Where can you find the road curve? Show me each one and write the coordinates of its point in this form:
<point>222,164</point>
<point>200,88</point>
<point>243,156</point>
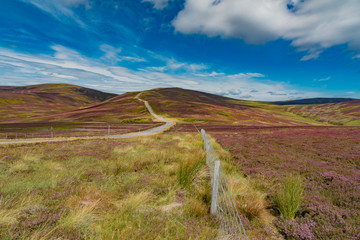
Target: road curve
<point>148,132</point>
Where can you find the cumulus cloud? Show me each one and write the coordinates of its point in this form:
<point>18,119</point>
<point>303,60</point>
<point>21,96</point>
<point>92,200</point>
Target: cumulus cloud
<point>311,25</point>
<point>158,4</point>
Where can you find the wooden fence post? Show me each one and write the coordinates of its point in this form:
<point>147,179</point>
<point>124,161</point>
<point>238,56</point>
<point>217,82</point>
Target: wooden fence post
<point>215,189</point>
<point>203,136</point>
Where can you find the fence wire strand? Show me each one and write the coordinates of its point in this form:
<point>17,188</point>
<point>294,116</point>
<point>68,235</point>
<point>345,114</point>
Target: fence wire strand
<point>227,214</point>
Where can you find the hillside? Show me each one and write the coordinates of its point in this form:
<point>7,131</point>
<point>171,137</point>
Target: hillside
<point>68,103</point>
<point>120,109</point>
<point>343,113</point>
<point>23,103</point>
<point>193,106</point>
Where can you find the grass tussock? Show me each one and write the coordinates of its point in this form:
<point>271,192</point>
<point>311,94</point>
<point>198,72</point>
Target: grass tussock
<point>290,195</point>
<point>188,173</point>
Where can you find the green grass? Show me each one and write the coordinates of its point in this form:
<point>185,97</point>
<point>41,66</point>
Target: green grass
<point>290,195</point>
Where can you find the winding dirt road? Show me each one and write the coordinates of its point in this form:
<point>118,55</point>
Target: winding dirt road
<point>168,124</point>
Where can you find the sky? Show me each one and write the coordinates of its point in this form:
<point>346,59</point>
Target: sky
<point>265,50</point>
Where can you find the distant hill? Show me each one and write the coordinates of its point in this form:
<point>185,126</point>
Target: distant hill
<point>341,113</point>
<point>24,103</point>
<point>69,103</point>
<point>313,101</point>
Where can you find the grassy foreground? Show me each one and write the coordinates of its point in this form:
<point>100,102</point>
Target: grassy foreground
<point>150,188</point>
<point>105,189</point>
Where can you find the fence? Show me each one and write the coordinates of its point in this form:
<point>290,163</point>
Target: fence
<point>222,202</point>
<point>85,130</point>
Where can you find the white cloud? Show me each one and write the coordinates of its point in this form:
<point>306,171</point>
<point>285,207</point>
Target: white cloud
<point>75,2</point>
<point>111,53</point>
<point>322,79</point>
<point>212,74</point>
<point>157,69</point>
<point>311,25</point>
<point>63,76</point>
<point>247,75</point>
<point>158,4</point>
<point>174,65</point>
<point>61,8</point>
<point>251,89</point>
<point>132,59</point>
<point>69,66</point>
<point>66,59</point>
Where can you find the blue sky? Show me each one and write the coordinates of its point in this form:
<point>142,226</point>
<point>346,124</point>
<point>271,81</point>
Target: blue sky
<point>246,49</point>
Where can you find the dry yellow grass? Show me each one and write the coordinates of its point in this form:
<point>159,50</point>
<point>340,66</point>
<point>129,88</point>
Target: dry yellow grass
<point>104,189</point>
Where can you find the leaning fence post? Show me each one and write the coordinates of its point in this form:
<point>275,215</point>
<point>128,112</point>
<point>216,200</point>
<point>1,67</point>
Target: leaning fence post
<point>215,189</point>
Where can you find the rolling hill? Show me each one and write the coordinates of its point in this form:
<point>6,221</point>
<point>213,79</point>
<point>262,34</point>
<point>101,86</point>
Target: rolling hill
<point>120,109</point>
<point>69,103</point>
<point>193,106</point>
<point>24,103</point>
<point>342,113</point>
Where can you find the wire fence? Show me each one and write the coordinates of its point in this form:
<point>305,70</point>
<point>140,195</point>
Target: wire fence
<point>86,130</point>
<point>222,203</point>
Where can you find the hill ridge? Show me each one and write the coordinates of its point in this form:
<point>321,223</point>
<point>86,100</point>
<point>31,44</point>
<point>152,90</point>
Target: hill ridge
<point>65,102</point>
